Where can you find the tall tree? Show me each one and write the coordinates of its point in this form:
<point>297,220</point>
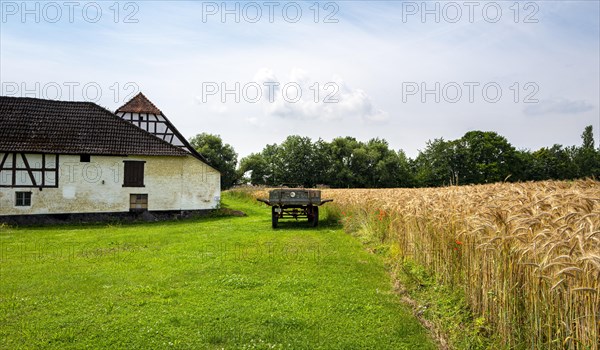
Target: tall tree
<point>587,157</point>
<point>221,156</point>
<point>555,162</point>
<point>588,138</point>
<point>433,166</point>
<point>296,155</point>
<point>489,157</point>
<point>257,166</point>
<point>275,170</point>
<point>384,168</point>
<point>341,154</point>
<point>321,163</point>
<point>523,169</point>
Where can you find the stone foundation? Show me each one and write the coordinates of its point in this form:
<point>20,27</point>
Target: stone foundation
<point>87,218</point>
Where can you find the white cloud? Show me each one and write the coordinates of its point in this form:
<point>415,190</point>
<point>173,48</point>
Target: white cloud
<point>303,98</point>
<point>558,106</point>
<point>266,78</point>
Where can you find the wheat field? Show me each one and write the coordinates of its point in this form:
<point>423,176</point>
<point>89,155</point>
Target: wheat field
<point>526,254</point>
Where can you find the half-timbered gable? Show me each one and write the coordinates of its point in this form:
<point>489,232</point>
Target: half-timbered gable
<point>61,157</point>
<point>141,112</point>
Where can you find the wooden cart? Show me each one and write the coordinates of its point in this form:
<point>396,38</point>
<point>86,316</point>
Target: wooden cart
<point>295,203</point>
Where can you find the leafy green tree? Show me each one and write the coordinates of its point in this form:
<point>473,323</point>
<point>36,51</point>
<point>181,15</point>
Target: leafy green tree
<point>275,169</point>
<point>555,162</point>
<point>588,138</point>
<point>384,166</point>
<point>477,157</point>
<point>433,166</point>
<point>258,167</point>
<point>219,155</point>
<point>297,161</point>
<point>296,155</point>
<point>341,155</point>
<point>587,158</point>
<point>488,157</point>
<point>360,166</point>
<point>405,176</point>
<point>321,163</point>
<point>523,168</point>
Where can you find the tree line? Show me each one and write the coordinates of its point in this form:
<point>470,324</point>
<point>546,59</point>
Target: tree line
<point>478,157</point>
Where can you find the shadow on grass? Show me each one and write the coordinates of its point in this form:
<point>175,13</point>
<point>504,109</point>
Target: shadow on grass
<point>215,216</point>
<point>303,225</point>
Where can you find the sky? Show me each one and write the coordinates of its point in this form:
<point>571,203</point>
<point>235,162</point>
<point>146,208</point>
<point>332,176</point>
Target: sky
<point>256,72</point>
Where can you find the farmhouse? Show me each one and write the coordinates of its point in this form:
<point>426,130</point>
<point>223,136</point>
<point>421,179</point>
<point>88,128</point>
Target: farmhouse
<point>59,157</point>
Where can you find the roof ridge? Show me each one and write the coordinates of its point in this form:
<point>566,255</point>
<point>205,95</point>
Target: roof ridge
<point>44,99</point>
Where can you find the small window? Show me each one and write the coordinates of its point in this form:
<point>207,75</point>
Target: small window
<point>138,202</point>
<point>23,199</point>
<point>133,174</point>
<point>84,158</point>
<point>141,118</point>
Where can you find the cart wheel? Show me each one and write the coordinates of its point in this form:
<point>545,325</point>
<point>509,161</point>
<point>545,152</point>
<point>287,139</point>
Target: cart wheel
<point>274,217</point>
<point>315,217</point>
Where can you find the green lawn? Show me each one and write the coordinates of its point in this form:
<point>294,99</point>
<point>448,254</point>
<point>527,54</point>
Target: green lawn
<point>211,283</point>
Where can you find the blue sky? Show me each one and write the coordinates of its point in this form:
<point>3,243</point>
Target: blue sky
<point>372,55</point>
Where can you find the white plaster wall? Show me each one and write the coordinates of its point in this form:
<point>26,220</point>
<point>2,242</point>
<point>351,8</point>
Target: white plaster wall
<point>172,183</point>
<point>181,183</point>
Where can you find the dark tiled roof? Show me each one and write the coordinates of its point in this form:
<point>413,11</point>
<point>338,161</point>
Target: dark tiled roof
<point>46,126</point>
<point>139,104</point>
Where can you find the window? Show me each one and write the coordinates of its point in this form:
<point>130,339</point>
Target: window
<point>23,199</point>
<point>138,202</point>
<point>134,174</point>
<point>84,158</point>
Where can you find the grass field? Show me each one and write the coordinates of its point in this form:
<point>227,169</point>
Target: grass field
<point>212,283</point>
